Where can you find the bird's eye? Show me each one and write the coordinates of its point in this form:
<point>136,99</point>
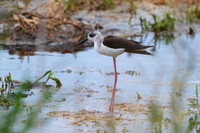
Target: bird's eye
<point>91,35</point>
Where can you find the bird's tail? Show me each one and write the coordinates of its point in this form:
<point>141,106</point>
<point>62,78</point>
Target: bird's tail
<point>141,51</point>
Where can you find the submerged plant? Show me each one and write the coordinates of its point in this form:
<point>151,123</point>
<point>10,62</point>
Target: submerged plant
<point>167,23</point>
<point>58,83</point>
<point>194,120</point>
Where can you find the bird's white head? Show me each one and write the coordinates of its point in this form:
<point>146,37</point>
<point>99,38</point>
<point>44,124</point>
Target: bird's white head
<point>95,36</point>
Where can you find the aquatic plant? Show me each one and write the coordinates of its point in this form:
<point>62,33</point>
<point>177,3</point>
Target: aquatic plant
<point>132,10</point>
<point>109,3</point>
<point>6,84</point>
<point>69,4</point>
<point>5,32</point>
<point>193,13</point>
<point>178,120</point>
<point>6,94</point>
<point>186,11</point>
<point>5,91</point>
<point>16,5</point>
<point>194,120</point>
<point>58,83</point>
<point>132,73</point>
<point>194,123</point>
<point>195,102</point>
<point>11,118</point>
<point>167,23</point>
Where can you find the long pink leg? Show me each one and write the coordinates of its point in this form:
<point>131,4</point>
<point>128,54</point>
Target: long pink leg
<point>111,109</point>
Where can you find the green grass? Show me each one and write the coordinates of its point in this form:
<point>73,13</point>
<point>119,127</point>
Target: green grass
<point>167,23</point>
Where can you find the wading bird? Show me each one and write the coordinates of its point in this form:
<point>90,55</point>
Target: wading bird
<point>114,46</point>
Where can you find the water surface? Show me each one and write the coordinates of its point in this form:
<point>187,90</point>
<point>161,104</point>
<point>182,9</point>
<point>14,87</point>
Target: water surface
<point>87,79</point>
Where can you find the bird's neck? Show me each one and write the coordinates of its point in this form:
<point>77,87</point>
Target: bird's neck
<point>99,42</point>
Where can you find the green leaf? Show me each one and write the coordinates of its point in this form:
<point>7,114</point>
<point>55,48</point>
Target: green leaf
<point>50,74</point>
<point>58,83</point>
<point>42,76</point>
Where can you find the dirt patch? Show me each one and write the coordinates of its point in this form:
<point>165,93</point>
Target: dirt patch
<point>123,113</point>
<point>133,108</point>
<point>81,116</point>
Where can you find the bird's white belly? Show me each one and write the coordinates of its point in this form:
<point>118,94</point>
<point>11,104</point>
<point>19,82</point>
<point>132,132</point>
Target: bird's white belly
<point>109,51</point>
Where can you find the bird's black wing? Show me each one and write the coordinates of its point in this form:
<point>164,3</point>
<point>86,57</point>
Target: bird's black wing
<point>129,45</point>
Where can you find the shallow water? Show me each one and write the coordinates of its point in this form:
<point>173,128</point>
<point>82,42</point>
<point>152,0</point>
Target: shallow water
<point>89,84</point>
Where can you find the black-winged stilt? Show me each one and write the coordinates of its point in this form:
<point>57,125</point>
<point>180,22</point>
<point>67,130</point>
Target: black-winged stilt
<point>114,46</point>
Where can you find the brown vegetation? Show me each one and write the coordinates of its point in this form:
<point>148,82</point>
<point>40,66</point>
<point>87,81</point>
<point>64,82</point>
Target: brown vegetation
<point>31,26</point>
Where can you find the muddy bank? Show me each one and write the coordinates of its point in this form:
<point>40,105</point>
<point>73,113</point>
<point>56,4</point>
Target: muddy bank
<point>54,29</point>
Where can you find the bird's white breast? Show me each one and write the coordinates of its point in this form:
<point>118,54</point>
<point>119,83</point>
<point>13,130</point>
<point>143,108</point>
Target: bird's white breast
<point>102,49</point>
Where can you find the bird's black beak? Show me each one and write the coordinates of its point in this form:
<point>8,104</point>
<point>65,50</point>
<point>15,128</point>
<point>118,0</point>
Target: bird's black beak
<point>80,42</point>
